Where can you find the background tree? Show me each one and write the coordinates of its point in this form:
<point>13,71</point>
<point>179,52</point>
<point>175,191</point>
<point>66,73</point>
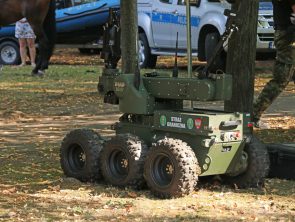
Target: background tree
<point>241,57</point>
<point>128,10</point>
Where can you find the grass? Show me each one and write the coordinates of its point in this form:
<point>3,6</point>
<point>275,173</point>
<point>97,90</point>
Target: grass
<point>35,115</point>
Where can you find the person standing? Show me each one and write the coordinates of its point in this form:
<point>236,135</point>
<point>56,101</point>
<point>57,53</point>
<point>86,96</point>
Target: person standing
<point>283,70</point>
<point>26,38</point>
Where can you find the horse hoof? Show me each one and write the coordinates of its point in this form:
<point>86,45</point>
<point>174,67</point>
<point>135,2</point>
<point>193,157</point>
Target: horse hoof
<point>34,72</point>
<point>39,73</point>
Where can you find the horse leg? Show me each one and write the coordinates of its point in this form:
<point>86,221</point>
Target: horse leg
<point>43,49</point>
<point>36,24</point>
<point>43,63</point>
<point>44,27</point>
<point>43,42</point>
<point>49,27</point>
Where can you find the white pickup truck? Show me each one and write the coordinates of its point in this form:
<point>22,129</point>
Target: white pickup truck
<point>160,20</point>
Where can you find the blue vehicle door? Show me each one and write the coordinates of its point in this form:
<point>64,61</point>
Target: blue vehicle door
<point>161,23</point>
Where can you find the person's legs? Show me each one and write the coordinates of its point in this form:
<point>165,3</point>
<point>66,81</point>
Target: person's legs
<point>32,50</point>
<point>282,73</point>
<point>23,50</point>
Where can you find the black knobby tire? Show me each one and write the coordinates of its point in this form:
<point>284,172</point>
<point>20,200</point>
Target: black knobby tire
<point>79,155</point>
<point>122,160</point>
<point>211,41</point>
<point>171,169</point>
<point>258,166</point>
<point>146,59</point>
<point>9,53</point>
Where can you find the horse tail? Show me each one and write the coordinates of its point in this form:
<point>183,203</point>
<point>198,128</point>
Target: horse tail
<point>49,27</point>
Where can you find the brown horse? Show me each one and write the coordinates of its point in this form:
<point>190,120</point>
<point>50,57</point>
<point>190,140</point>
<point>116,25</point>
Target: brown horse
<point>41,16</point>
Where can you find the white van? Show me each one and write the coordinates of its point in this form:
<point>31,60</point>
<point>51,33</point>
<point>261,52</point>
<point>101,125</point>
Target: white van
<point>160,20</point>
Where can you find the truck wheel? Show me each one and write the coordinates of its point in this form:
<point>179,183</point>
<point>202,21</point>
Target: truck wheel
<point>122,161</point>
<point>9,53</point>
<point>146,59</point>
<point>258,164</point>
<point>79,154</point>
<point>171,169</point>
<point>211,41</point>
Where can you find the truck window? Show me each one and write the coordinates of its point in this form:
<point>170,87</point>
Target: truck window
<point>167,1</point>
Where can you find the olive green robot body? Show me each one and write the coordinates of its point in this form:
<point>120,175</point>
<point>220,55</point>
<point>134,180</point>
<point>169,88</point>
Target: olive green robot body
<point>155,111</point>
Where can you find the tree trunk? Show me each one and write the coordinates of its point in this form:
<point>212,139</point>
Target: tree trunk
<point>128,11</point>
<point>241,57</point>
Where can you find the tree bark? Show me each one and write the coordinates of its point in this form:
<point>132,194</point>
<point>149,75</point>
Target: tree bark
<point>128,11</point>
<point>241,57</point>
